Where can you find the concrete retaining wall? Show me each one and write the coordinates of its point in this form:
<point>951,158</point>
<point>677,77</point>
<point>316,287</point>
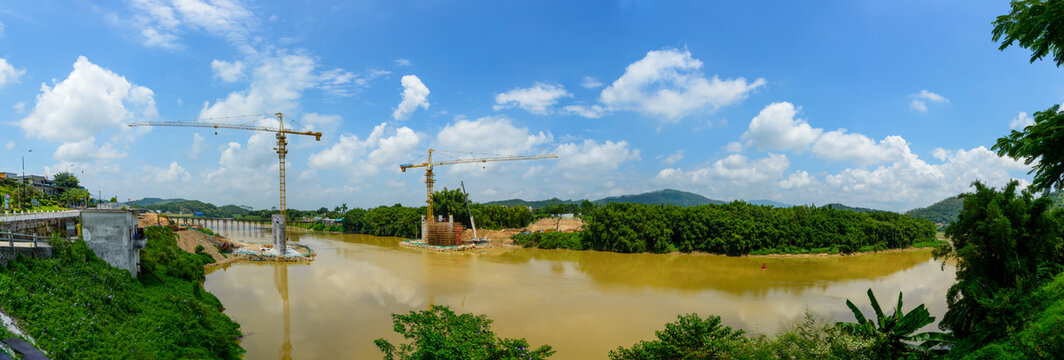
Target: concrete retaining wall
<point>9,254</point>
<point>112,237</point>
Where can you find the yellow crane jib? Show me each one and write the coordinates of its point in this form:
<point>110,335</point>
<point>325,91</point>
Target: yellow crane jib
<point>280,132</point>
<point>430,176</point>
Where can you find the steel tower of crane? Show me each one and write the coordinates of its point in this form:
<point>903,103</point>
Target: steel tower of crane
<point>430,177</point>
<point>281,132</point>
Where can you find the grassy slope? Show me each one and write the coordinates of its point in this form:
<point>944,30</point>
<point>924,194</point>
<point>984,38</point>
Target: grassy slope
<point>13,189</point>
<point>77,306</point>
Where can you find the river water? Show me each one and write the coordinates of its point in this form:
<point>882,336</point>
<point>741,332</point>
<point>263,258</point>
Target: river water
<point>582,303</point>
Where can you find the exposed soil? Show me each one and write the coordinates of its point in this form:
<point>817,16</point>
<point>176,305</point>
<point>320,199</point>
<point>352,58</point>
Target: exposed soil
<point>542,225</point>
<point>150,219</point>
<point>189,239</point>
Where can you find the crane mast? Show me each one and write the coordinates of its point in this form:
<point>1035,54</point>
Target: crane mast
<point>430,177</point>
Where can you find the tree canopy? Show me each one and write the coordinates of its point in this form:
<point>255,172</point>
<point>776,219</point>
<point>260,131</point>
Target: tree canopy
<point>1036,25</point>
<point>66,179</point>
<point>1042,142</point>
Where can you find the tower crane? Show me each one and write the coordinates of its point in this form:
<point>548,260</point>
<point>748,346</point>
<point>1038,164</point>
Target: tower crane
<point>281,137</point>
<point>430,178</point>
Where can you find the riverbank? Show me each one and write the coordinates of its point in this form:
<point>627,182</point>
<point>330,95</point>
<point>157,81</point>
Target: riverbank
<point>77,306</point>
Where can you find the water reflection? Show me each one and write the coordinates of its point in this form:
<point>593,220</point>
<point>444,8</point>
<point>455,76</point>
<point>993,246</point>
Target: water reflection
<point>581,303</point>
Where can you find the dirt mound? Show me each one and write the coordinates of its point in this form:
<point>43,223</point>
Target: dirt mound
<point>559,225</point>
<point>496,236</point>
<point>150,219</point>
<point>189,239</point>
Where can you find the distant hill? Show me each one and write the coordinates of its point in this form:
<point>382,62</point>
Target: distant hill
<point>851,208</point>
<point>772,203</point>
<point>192,206</point>
<point>534,204</point>
<point>667,197</point>
<point>944,211</point>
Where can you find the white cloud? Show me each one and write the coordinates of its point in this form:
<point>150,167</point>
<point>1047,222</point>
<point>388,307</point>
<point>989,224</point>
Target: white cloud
<point>174,173</point>
<point>162,22</point>
<point>1021,121</point>
<point>593,111</point>
<point>415,94</point>
<point>384,147</point>
<point>797,179</point>
<point>496,135</point>
<point>777,128</point>
<point>590,159</point>
<point>277,83</point>
<point>536,99</point>
<point>402,62</point>
<point>227,71</point>
<point>91,99</point>
<point>734,171</point>
<point>10,145</point>
<point>921,98</point>
<point>85,151</point>
<point>8,73</point>
<point>838,145</point>
<point>590,83</point>
<point>672,159</point>
<point>668,84</point>
<point>734,147</point>
<point>196,149</point>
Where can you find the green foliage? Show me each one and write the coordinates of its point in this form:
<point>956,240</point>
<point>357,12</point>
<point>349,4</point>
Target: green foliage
<point>65,179</point>
<point>690,337</point>
<point>1036,25</point>
<point>163,257</point>
<point>892,335</point>
<point>739,228</point>
<point>1006,244</point>
<point>392,221</point>
<point>551,240</point>
<point>1042,142</point>
<point>76,306</point>
<point>811,337</point>
<point>439,333</point>
<point>74,196</point>
<point>666,197</point>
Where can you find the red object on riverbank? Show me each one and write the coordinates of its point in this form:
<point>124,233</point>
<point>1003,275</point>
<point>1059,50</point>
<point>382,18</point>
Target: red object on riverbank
<point>763,266</point>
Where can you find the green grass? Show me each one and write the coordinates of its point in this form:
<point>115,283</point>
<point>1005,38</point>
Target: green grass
<point>77,307</point>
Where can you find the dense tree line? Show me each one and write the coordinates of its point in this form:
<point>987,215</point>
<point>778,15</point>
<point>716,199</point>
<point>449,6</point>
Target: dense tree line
<point>740,228</point>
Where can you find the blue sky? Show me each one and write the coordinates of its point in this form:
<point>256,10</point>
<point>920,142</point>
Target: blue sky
<point>890,105</point>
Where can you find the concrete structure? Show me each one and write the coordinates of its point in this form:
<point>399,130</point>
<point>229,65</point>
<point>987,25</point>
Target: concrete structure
<point>7,175</point>
<point>42,223</point>
<point>10,250</point>
<point>112,236</point>
<point>279,240</point>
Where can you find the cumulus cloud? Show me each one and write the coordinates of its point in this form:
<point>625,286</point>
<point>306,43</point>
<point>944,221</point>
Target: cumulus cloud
<point>590,158</point>
<point>733,176</point>
<point>196,149</point>
<point>171,174</point>
<point>402,62</point>
<point>86,151</point>
<point>1021,121</point>
<point>385,146</point>
<point>921,99</point>
<point>667,84</point>
<point>277,84</point>
<point>89,101</point>
<point>777,128</point>
<point>839,145</point>
<point>227,71</point>
<point>797,179</point>
<point>536,99</point>
<point>8,73</point>
<point>497,135</point>
<point>415,94</point>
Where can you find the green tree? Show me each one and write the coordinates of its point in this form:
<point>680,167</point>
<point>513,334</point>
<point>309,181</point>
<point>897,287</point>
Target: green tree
<point>74,196</point>
<point>439,333</point>
<point>1005,244</point>
<point>1036,25</point>
<point>114,199</point>
<point>893,334</point>
<point>1043,143</point>
<point>66,180</point>
<point>690,337</point>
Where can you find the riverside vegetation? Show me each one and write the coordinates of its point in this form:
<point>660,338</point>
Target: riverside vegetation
<point>76,306</point>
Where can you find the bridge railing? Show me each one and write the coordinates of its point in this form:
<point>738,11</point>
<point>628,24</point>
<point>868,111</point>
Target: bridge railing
<point>38,215</point>
<point>9,239</point>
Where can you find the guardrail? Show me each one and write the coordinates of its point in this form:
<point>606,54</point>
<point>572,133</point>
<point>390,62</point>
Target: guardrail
<point>38,215</point>
<point>9,239</point>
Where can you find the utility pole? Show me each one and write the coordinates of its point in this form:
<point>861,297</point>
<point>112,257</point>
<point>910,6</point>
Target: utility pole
<point>22,180</point>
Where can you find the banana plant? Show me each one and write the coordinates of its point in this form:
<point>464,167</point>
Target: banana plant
<point>894,334</point>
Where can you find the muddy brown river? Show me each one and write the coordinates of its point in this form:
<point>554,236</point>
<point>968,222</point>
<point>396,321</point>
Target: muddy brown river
<point>582,303</point>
